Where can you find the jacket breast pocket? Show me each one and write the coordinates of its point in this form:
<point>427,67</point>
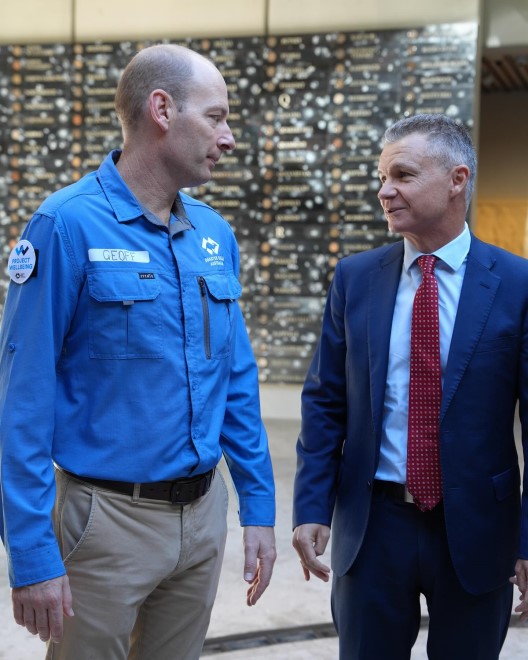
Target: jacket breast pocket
<point>506,343</point>
<point>125,315</point>
<point>218,295</point>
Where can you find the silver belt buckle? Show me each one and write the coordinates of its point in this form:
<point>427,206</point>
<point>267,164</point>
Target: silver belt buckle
<point>407,497</point>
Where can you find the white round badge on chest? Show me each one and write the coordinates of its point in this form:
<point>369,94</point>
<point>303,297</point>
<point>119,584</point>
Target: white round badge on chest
<point>22,261</point>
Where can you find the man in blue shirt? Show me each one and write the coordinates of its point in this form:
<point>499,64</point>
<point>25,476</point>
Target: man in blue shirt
<point>126,374</point>
<point>461,547</point>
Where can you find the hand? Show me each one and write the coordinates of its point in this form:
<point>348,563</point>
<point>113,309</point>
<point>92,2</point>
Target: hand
<point>310,542</point>
<point>40,607</point>
<point>521,580</point>
<point>259,556</point>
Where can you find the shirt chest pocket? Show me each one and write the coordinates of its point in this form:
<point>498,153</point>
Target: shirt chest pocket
<point>125,315</point>
<point>218,293</point>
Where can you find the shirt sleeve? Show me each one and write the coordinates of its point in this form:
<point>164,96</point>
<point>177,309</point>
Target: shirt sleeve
<point>36,318</point>
<point>244,440</point>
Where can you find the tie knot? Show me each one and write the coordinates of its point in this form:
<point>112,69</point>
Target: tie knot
<point>427,263</point>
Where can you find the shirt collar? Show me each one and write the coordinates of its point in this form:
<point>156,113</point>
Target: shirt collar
<point>119,195</point>
<point>453,254</point>
<point>178,217</point>
<point>126,207</point>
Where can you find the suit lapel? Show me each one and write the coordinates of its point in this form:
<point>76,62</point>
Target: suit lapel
<point>476,299</point>
<point>383,287</point>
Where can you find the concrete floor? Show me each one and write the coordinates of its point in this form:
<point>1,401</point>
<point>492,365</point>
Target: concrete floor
<point>289,602</point>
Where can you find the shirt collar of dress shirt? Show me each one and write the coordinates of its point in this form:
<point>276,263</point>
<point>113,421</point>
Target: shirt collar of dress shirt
<point>452,254</point>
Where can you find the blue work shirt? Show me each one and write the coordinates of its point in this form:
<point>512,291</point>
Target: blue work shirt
<point>124,356</point>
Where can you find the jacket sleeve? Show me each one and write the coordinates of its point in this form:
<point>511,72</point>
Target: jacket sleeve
<point>324,417</point>
<point>36,319</point>
<point>523,415</point>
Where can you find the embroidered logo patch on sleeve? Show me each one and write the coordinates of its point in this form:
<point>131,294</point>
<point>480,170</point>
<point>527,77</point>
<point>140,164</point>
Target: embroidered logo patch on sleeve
<point>22,261</point>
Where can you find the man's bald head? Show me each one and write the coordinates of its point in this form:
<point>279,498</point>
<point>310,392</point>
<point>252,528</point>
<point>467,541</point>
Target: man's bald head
<point>165,66</point>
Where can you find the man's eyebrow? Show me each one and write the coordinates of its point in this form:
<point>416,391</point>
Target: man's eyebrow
<point>222,109</point>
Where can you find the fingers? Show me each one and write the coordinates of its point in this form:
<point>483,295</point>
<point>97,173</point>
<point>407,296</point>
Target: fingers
<point>260,554</point>
<point>42,624</point>
<point>310,541</point>
<point>67,598</point>
<point>261,581</point>
<point>316,568</point>
<point>520,579</point>
<point>521,574</point>
<point>39,607</point>
<point>522,608</point>
<point>18,610</point>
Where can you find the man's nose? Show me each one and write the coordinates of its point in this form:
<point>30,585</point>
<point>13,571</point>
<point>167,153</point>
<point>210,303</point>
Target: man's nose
<point>226,141</point>
<point>386,191</point>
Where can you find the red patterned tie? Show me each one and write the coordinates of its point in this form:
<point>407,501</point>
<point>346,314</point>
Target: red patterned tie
<point>424,478</point>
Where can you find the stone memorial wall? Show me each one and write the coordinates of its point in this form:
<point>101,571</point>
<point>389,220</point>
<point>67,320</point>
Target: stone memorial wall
<point>308,113</point>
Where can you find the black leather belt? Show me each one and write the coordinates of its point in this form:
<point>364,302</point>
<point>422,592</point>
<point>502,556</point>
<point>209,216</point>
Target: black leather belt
<point>178,491</point>
<point>393,490</point>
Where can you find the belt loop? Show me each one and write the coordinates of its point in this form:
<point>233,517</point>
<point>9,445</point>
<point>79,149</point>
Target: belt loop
<point>135,494</point>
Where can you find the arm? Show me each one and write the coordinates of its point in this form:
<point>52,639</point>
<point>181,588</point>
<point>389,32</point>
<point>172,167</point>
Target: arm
<point>324,417</point>
<point>245,447</point>
<point>36,318</point>
<point>520,579</point>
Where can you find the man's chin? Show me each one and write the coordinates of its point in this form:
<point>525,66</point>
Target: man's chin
<point>200,181</point>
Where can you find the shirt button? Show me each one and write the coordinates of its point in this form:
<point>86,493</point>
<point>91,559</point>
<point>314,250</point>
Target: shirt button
<point>11,348</point>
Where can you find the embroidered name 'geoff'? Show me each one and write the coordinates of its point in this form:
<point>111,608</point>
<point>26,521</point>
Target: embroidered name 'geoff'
<point>118,254</point>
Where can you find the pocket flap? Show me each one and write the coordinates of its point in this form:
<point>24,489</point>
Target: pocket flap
<point>114,286</point>
<point>224,286</point>
<point>506,483</point>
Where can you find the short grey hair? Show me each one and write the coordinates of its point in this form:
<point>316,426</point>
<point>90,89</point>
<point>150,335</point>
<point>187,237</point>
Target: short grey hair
<point>449,140</point>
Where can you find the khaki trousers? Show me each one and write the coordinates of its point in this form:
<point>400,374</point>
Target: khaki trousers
<point>143,573</point>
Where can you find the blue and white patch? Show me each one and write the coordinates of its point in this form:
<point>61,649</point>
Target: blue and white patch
<point>209,245</point>
<point>22,261</point>
<point>119,255</point>
<point>212,248</point>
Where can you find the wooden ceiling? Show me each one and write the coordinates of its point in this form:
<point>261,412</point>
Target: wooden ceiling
<point>504,71</point>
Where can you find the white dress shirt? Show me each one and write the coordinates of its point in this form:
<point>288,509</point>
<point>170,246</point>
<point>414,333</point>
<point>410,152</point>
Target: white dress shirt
<point>449,271</point>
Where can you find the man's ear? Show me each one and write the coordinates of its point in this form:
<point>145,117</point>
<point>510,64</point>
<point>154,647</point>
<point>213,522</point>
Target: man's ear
<point>161,108</point>
<point>459,179</point>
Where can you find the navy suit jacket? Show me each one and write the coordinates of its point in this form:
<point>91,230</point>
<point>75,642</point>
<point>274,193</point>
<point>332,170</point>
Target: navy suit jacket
<point>486,375</point>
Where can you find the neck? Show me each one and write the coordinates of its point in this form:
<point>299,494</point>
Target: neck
<point>428,244</point>
<point>140,176</point>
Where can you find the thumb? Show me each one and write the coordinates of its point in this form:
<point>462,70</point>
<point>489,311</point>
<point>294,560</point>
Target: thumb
<point>320,544</point>
<point>250,565</point>
<point>250,569</point>
<point>67,600</point>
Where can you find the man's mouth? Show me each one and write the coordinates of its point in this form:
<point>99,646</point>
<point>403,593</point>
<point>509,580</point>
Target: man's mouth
<point>391,211</point>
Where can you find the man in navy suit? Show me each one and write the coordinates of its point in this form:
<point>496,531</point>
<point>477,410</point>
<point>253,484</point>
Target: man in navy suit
<point>464,554</point>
